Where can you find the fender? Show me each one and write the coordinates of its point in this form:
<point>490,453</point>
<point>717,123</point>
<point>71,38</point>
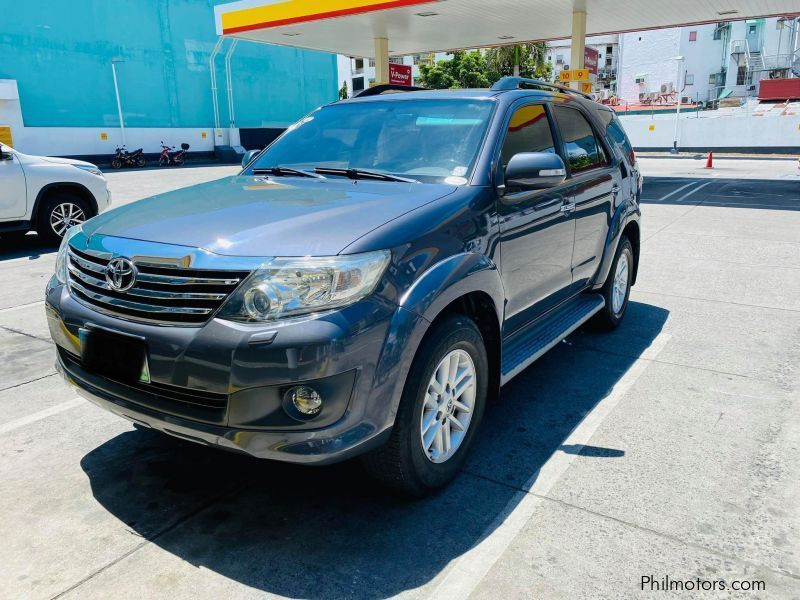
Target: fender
<point>430,294</point>
<point>626,212</point>
<point>74,186</point>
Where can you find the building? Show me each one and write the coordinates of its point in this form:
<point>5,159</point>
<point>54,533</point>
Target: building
<point>359,73</point>
<point>607,49</point>
<point>719,59</point>
<point>57,91</point>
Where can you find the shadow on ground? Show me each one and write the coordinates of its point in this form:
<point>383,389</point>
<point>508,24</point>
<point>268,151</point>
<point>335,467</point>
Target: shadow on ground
<point>330,531</point>
<point>769,194</point>
<point>18,245</point>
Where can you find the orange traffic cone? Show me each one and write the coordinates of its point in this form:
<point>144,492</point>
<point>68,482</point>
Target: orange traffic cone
<point>710,161</point>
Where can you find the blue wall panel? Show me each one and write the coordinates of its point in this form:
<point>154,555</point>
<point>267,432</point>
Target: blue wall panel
<point>60,53</point>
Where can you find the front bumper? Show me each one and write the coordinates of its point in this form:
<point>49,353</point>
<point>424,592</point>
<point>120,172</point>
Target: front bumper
<point>217,386</point>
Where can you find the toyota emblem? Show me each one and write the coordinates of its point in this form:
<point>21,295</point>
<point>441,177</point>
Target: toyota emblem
<point>120,274</point>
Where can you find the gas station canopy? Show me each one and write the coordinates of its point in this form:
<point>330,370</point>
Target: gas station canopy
<point>350,27</point>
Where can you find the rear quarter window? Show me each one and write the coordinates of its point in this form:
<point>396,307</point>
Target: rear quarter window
<point>616,132</point>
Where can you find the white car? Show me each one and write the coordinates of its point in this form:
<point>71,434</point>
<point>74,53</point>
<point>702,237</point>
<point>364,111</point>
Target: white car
<point>48,195</point>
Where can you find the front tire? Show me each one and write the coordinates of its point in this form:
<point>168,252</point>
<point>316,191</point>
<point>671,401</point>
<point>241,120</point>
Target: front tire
<point>116,163</point>
<point>616,290</point>
<point>58,213</point>
<point>440,410</point>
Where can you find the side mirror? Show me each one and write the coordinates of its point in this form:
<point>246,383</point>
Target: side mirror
<point>5,155</point>
<point>534,171</point>
<point>248,156</point>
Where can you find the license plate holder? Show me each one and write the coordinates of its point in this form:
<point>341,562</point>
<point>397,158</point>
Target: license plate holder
<point>118,356</point>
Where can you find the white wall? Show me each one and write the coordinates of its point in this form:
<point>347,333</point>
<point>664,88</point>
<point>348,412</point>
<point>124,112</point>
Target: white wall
<point>722,132</point>
<point>647,52</point>
<point>66,141</point>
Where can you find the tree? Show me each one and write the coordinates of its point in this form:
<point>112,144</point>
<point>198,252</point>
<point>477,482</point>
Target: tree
<point>519,60</point>
<point>478,69</point>
<point>464,70</point>
<point>343,94</point>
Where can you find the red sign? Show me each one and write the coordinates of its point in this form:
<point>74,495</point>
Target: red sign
<point>590,59</point>
<point>399,74</point>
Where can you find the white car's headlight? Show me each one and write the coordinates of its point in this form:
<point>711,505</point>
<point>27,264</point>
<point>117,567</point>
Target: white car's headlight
<point>286,287</point>
<point>61,257</point>
<point>94,170</point>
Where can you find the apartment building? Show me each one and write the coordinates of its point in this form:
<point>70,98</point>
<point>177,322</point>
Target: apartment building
<point>706,62</point>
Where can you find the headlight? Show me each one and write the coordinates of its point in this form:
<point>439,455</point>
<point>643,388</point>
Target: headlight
<point>287,287</point>
<point>90,169</point>
<point>61,258</point>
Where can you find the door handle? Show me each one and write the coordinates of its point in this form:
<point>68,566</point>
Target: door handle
<point>568,207</point>
<point>616,190</point>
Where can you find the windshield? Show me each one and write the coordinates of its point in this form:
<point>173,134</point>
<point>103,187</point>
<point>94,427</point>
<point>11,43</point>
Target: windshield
<point>431,141</point>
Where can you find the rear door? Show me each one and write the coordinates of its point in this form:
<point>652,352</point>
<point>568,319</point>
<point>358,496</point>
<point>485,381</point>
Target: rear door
<point>536,233</point>
<point>13,191</point>
<point>592,187</point>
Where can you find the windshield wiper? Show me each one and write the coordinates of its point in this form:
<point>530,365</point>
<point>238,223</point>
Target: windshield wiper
<point>362,174</point>
<point>279,171</point>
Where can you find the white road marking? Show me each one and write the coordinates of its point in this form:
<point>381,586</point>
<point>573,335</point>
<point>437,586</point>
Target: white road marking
<point>690,192</point>
<point>470,569</point>
<point>42,414</point>
<point>673,192</point>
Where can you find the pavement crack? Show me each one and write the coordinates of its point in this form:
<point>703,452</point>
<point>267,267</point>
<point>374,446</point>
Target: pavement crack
<point>641,291</point>
<point>642,528</point>
<point>16,385</point>
<point>177,523</point>
<point>30,335</point>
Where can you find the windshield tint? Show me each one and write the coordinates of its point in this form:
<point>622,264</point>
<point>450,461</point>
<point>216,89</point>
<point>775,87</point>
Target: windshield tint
<point>427,140</point>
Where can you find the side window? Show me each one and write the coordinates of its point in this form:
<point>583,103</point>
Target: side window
<point>583,151</point>
<point>528,131</point>
<point>617,133</point>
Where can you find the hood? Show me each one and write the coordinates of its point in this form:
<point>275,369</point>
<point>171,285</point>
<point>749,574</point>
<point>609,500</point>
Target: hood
<point>259,216</point>
<point>55,160</point>
<point>67,161</point>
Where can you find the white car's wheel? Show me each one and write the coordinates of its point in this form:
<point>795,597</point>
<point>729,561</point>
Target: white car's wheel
<point>58,214</point>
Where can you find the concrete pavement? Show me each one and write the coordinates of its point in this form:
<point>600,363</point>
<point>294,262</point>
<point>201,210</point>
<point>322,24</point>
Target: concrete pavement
<point>667,448</point>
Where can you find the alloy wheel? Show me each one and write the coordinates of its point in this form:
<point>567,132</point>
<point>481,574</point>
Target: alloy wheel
<point>620,287</point>
<point>64,216</point>
<point>448,406</point>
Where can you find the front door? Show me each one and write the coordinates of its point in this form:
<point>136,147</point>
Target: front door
<point>592,185</point>
<point>13,199</point>
<point>536,232</point>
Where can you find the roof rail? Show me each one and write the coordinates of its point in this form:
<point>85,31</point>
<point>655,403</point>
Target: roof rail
<point>523,83</point>
<point>376,90</point>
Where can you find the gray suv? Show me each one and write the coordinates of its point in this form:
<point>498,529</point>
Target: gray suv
<point>365,285</point>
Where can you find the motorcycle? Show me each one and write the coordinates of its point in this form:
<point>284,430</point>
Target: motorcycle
<point>166,159</point>
<point>123,158</point>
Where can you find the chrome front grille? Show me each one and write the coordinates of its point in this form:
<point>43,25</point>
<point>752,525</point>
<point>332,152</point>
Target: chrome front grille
<point>163,293</point>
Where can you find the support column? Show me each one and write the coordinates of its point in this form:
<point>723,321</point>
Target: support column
<point>381,61</point>
<point>578,42</point>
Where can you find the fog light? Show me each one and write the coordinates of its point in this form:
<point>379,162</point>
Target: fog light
<point>306,400</point>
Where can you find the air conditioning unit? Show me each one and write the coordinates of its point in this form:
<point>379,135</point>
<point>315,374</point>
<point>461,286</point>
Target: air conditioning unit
<point>641,79</point>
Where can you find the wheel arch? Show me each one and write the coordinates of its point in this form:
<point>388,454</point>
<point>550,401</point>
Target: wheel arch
<point>52,189</point>
<point>625,221</point>
<point>467,284</point>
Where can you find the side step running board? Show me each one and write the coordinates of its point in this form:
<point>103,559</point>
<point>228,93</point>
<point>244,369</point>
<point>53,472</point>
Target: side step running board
<point>529,344</point>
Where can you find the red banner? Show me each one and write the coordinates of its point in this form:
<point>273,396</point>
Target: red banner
<point>590,56</point>
<point>399,74</point>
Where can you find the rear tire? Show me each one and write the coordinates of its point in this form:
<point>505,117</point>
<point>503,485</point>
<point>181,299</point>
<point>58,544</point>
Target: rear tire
<point>616,290</point>
<point>140,162</point>
<point>426,449</point>
<point>58,213</point>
